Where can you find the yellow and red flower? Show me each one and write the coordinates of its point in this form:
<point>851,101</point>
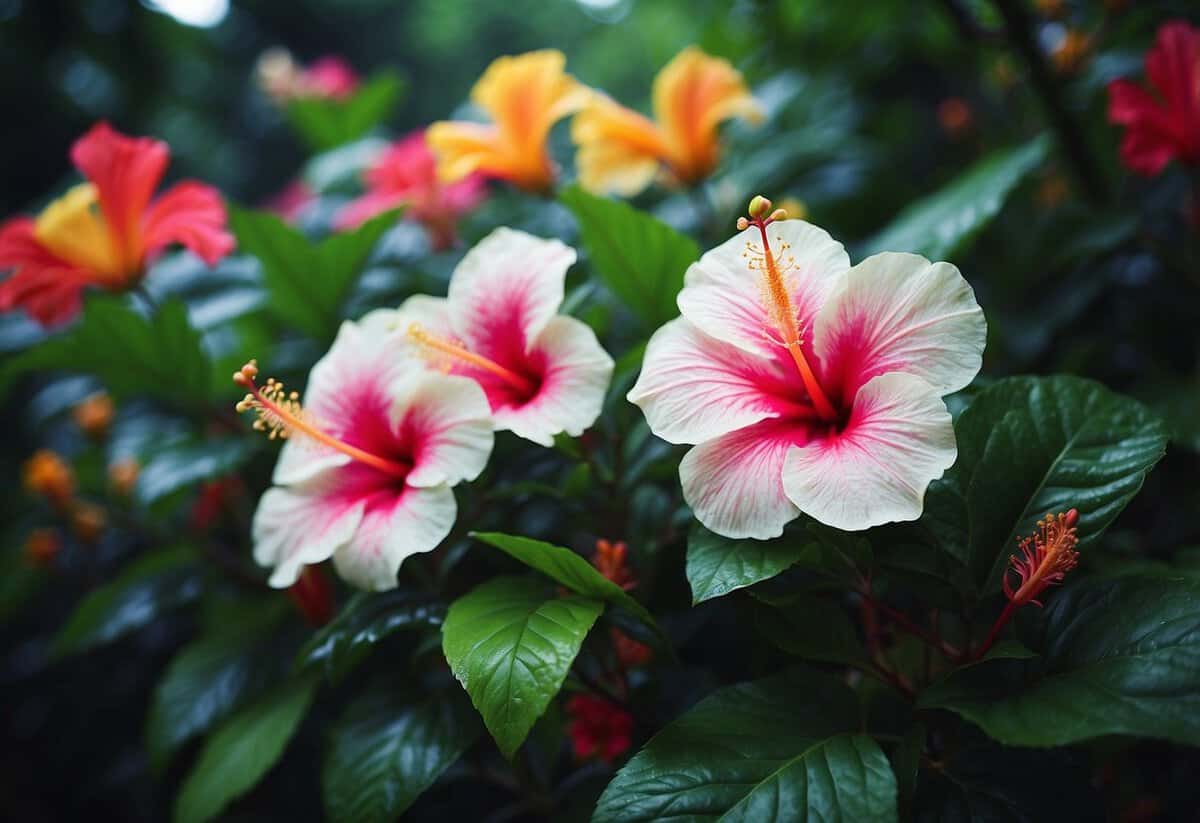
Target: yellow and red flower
<point>524,96</point>
<point>103,232</point>
<point>622,151</point>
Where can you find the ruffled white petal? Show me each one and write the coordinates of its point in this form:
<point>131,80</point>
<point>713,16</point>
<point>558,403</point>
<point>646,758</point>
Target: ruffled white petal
<point>898,440</point>
<point>899,312</point>
<point>294,528</point>
<point>391,530</point>
<point>726,298</point>
<point>734,483</point>
<point>576,377</point>
<point>450,425</point>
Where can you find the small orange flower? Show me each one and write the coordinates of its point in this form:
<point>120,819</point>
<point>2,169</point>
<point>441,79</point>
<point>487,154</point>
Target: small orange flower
<point>123,475</point>
<point>48,475</point>
<point>94,414</point>
<point>42,546</point>
<point>525,96</point>
<point>622,151</point>
<point>1072,51</point>
<point>88,521</point>
<point>610,561</point>
<point>630,653</point>
<point>1046,557</point>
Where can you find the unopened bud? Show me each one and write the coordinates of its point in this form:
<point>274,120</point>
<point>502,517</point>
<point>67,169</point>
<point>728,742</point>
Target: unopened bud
<point>42,546</point>
<point>123,475</point>
<point>94,415</point>
<point>759,207</point>
<point>48,475</point>
<point>88,522</point>
<point>743,224</point>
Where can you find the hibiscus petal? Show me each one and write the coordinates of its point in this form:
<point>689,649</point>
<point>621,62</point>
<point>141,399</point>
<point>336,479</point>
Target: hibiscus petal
<point>1149,144</point>
<point>734,483</point>
<point>1171,67</point>
<point>619,149</point>
<point>725,297</point>
<point>193,215</point>
<point>505,291</point>
<point>899,438</point>
<point>449,423</point>
<point>899,312</point>
<point>576,373</point>
<point>694,387</point>
<point>394,527</point>
<point>50,290</point>
<point>298,527</point>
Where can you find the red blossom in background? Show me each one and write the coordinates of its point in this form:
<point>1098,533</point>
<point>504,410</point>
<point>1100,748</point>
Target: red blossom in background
<point>1163,124</point>
<point>406,175</point>
<point>329,76</point>
<point>598,728</point>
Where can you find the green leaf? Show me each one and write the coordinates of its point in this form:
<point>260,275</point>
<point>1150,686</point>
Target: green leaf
<point>717,565</point>
<point>389,747</point>
<point>1029,446</point>
<point>568,568</point>
<point>1119,655</point>
<point>168,469</point>
<point>327,123</point>
<point>242,751</point>
<point>781,749</point>
<point>364,621</point>
<point>306,282</point>
<point>148,587</point>
<point>812,628</point>
<point>511,647</point>
<point>943,224</point>
<point>161,356</point>
<point>19,581</point>
<point>641,259</point>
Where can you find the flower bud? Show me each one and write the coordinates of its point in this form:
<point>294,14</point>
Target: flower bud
<point>48,475</point>
<point>123,475</point>
<point>94,415</point>
<point>88,521</point>
<point>760,207</point>
<point>42,547</point>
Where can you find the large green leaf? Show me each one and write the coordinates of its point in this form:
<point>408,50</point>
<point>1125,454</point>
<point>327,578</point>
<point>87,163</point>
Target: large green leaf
<point>1120,655</point>
<point>168,468</point>
<point>637,256</point>
<point>941,225</point>
<point>568,568</point>
<point>306,282</point>
<point>511,647</point>
<point>812,628</point>
<point>243,750</point>
<point>147,588</point>
<point>717,565</point>
<point>781,749</point>
<point>364,621</point>
<point>160,356</point>
<point>1029,446</point>
<point>327,123</point>
<point>389,747</point>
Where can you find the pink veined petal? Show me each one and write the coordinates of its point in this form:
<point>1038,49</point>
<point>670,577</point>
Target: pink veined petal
<point>694,387</point>
<point>505,291</point>
<point>50,290</point>
<point>575,377</point>
<point>726,298</point>
<point>734,483</point>
<point>899,439</point>
<point>900,313</point>
<point>193,215</point>
<point>296,527</point>
<point>394,527</point>
<point>448,423</point>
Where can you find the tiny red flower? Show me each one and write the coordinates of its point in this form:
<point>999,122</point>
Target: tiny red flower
<point>598,728</point>
<point>1164,124</point>
<point>630,653</point>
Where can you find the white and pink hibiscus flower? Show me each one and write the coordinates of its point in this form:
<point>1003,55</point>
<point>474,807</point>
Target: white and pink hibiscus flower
<point>809,385</point>
<point>544,373</point>
<point>366,473</point>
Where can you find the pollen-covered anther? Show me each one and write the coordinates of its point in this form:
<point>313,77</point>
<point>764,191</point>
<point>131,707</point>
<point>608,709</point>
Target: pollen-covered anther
<point>1045,558</point>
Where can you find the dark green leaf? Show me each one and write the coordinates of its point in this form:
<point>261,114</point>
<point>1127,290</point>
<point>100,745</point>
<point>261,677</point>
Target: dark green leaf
<point>511,647</point>
<point>717,565</point>
<point>641,259</point>
<point>944,223</point>
<point>19,580</point>
<point>389,747</point>
<point>168,469</point>
<point>307,282</point>
<point>812,628</point>
<point>1119,655</point>
<point>327,123</point>
<point>778,749</point>
<point>242,750</point>
<point>147,588</point>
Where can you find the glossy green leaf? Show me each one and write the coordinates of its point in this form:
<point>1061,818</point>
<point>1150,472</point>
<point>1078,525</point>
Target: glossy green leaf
<point>717,565</point>
<point>641,259</point>
<point>242,750</point>
<point>167,469</point>
<point>942,225</point>
<point>145,590</point>
<point>160,356</point>
<point>389,747</point>
<point>327,123</point>
<point>781,749</point>
<point>812,628</point>
<point>510,646</point>
<point>1119,655</point>
<point>363,622</point>
<point>306,282</point>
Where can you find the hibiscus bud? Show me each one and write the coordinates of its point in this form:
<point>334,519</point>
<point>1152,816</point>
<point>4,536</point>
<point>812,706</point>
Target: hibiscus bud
<point>48,475</point>
<point>88,521</point>
<point>94,415</point>
<point>760,207</point>
<point>313,596</point>
<point>123,475</point>
<point>42,547</point>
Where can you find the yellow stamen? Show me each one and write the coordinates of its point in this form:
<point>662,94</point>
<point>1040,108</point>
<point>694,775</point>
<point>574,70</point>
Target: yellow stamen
<point>280,415</point>
<point>456,351</point>
<point>74,229</point>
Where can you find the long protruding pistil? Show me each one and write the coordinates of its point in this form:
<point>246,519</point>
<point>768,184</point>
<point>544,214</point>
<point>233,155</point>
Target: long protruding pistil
<point>458,352</point>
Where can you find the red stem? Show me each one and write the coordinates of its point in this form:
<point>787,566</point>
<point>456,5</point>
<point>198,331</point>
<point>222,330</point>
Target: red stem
<point>1009,610</point>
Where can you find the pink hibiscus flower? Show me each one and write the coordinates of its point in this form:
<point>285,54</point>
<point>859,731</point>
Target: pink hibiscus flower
<point>366,474</point>
<point>1164,126</point>
<point>543,373</point>
<point>807,385</point>
<point>406,175</point>
<point>104,232</point>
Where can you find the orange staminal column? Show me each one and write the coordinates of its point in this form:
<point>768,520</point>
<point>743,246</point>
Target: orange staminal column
<point>456,351</point>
